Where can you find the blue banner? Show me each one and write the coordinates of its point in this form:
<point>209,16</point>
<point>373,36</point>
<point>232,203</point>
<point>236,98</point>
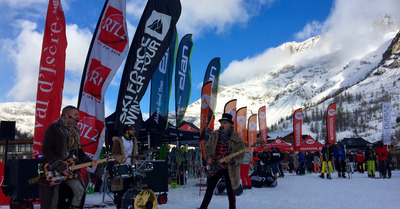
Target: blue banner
<point>183,83</point>
<point>161,85</point>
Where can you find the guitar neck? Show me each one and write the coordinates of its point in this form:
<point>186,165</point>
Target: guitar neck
<point>234,154</point>
<point>83,165</point>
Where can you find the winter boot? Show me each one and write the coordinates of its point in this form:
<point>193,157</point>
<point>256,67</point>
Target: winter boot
<point>344,175</point>
<point>339,175</point>
<point>275,176</point>
<point>322,175</point>
<point>328,176</point>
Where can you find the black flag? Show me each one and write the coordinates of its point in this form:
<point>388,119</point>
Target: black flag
<point>151,41</point>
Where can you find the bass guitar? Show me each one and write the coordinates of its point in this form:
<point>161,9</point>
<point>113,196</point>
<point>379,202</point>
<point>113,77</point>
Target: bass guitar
<point>54,177</point>
<point>219,162</point>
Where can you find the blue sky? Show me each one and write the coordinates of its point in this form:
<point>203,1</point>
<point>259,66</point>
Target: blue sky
<point>234,30</point>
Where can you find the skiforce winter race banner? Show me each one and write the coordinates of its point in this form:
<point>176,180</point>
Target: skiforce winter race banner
<point>230,107</point>
<point>386,123</point>
<point>204,112</point>
<point>212,74</point>
<point>241,118</point>
<point>107,51</point>
<point>331,123</point>
<point>51,73</point>
<point>152,38</point>
<point>183,81</point>
<point>252,130</point>
<point>161,85</point>
<point>297,128</point>
<point>262,123</point>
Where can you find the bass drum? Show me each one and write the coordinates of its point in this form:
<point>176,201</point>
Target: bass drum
<point>146,199</point>
<point>128,199</point>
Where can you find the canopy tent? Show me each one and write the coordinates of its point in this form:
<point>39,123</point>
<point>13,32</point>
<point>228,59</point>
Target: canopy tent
<point>283,146</point>
<point>310,144</point>
<point>188,133</point>
<point>354,143</point>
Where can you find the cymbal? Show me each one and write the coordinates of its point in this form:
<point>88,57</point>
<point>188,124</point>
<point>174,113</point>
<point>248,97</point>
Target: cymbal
<point>150,150</point>
<point>136,156</point>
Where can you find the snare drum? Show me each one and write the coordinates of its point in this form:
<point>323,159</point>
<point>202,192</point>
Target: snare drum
<point>122,171</point>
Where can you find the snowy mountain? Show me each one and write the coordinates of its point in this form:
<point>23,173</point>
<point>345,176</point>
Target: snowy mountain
<point>312,81</point>
<point>311,78</point>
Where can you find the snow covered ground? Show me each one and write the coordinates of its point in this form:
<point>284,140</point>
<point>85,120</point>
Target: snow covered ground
<point>293,191</point>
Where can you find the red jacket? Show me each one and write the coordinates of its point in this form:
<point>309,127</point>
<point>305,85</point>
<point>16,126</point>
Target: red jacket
<point>360,158</point>
<point>381,152</point>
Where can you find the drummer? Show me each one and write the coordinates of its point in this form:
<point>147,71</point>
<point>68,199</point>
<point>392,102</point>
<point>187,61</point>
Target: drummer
<point>123,148</point>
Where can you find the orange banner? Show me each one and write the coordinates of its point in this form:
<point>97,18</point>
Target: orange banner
<point>241,119</point>
<point>252,130</point>
<point>262,123</point>
<point>230,107</point>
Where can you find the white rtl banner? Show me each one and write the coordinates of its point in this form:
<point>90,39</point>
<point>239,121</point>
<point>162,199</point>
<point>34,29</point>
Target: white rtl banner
<point>386,122</point>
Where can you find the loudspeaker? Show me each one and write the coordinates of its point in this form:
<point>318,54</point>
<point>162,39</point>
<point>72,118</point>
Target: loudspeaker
<point>20,171</point>
<point>157,179</point>
<point>7,130</point>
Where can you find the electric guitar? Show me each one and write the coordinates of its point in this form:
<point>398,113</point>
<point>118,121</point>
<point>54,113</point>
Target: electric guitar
<point>219,162</point>
<point>54,177</point>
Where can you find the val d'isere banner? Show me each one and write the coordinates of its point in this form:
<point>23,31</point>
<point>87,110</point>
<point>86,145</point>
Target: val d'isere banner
<point>152,38</point>
<point>51,73</point>
<point>241,119</point>
<point>230,107</point>
<point>262,123</point>
<point>204,113</point>
<point>212,74</point>
<point>108,49</point>
<point>386,122</point>
<point>183,81</point>
<point>297,128</point>
<point>331,123</point>
<point>161,85</point>
<point>252,130</point>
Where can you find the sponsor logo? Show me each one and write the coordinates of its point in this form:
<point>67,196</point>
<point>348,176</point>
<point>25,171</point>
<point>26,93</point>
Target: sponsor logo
<point>184,67</point>
<point>252,126</point>
<point>278,141</point>
<point>205,101</point>
<point>233,113</point>
<point>241,120</point>
<point>331,112</point>
<point>158,25</point>
<point>310,141</point>
<point>298,115</point>
<point>112,31</point>
<point>90,127</point>
<point>261,115</point>
<point>96,77</point>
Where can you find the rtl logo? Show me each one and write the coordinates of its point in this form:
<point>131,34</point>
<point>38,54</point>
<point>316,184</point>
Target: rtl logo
<point>113,32</point>
<point>95,79</point>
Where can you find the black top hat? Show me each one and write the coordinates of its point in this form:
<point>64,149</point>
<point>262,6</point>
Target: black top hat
<point>226,117</point>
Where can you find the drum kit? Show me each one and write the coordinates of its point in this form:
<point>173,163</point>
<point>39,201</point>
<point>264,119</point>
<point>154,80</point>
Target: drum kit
<point>136,197</point>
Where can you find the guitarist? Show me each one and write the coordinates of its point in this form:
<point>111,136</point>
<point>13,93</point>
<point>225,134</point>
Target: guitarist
<point>62,141</point>
<point>221,143</point>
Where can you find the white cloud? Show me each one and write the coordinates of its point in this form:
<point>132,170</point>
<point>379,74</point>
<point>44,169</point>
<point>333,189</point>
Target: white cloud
<point>25,53</point>
<point>199,16</point>
<point>310,30</point>
<point>78,45</point>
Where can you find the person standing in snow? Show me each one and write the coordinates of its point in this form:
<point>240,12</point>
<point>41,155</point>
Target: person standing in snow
<point>340,161</point>
<point>381,152</point>
<point>360,160</point>
<point>221,144</point>
<point>276,157</point>
<point>350,157</point>
<point>370,158</point>
<point>245,168</point>
<point>316,162</point>
<point>326,161</point>
<point>302,161</point>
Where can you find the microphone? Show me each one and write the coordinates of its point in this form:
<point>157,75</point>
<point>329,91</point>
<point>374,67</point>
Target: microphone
<point>73,119</point>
